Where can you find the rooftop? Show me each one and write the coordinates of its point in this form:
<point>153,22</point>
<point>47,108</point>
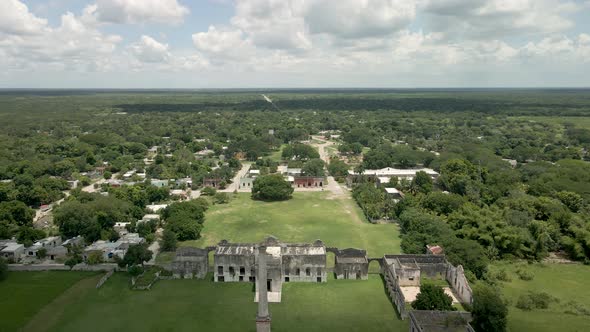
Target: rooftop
<point>10,247</point>
<point>389,171</point>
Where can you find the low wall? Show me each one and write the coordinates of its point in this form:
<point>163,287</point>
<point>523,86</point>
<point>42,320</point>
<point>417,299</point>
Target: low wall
<point>104,278</point>
<point>62,267</point>
<point>456,278</point>
<point>395,293</point>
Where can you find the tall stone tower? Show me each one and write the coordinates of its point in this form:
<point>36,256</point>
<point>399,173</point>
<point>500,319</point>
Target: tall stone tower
<point>263,315</point>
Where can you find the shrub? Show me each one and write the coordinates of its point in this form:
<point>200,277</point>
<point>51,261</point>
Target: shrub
<point>135,270</point>
<point>535,300</point>
<point>221,198</point>
<point>208,191</point>
<point>524,302</point>
<point>525,274</point>
<point>94,258</point>
<point>575,308</point>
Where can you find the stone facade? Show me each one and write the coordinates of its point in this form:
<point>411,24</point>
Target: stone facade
<point>190,263</point>
<point>351,264</point>
<point>286,262</point>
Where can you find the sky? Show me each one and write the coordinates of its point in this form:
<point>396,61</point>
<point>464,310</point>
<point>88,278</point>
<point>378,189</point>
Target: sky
<point>294,43</point>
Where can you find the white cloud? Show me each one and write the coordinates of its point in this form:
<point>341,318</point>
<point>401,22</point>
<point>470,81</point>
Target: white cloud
<point>491,19</point>
<point>71,45</point>
<point>139,11</point>
<point>359,18</point>
<point>223,43</point>
<point>15,18</point>
<point>147,49</point>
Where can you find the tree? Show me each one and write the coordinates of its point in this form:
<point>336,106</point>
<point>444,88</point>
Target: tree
<point>570,199</point>
<point>423,182</point>
<point>432,297</point>
<point>489,309</point>
<point>17,213</point>
<point>107,175</point>
<point>94,257</point>
<point>168,241</point>
<point>135,270</point>
<point>271,188</point>
<point>338,168</point>
<point>42,253</point>
<point>185,218</point>
<point>137,254</point>
<point>3,269</point>
<point>314,167</point>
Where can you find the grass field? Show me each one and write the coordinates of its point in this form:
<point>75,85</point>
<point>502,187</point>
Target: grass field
<point>24,294</point>
<point>305,218</point>
<point>201,305</point>
<point>567,282</point>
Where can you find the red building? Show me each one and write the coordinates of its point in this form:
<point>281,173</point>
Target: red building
<point>308,181</point>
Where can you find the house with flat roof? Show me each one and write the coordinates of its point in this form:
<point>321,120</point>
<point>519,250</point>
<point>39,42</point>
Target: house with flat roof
<point>11,250</point>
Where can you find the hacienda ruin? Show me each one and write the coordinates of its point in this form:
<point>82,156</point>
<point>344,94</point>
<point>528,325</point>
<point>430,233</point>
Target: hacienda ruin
<point>271,263</point>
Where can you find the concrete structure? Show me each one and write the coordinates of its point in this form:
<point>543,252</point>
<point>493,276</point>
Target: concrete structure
<point>11,251</point>
<point>286,262</point>
<point>394,194</point>
<point>159,183</point>
<point>262,287</point>
<point>190,263</point>
<point>108,250</point>
<point>58,252</point>
<point>440,321</point>
<point>406,271</point>
<point>156,207</point>
<point>381,175</point>
<point>308,181</point>
<point>212,182</point>
<point>47,243</point>
<point>351,264</point>
<point>247,182</point>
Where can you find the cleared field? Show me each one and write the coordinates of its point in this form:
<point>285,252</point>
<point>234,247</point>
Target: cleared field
<point>566,282</point>
<point>24,294</point>
<point>201,305</point>
<point>305,218</point>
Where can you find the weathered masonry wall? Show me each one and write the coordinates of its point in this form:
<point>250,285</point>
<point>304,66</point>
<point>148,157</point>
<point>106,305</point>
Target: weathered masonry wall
<point>456,278</point>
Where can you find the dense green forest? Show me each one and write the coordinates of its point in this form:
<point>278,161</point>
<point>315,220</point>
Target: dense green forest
<point>514,173</point>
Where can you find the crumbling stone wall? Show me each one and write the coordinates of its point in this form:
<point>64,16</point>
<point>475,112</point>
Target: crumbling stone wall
<point>456,278</point>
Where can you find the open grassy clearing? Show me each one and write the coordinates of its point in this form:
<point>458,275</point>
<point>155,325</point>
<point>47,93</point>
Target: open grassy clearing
<point>24,294</point>
<point>305,218</point>
<point>201,305</point>
<point>566,282</point>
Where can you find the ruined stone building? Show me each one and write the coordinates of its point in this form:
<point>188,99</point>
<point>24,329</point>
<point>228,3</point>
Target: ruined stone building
<point>351,264</point>
<point>190,263</point>
<point>407,270</point>
<point>286,262</point>
<point>440,321</point>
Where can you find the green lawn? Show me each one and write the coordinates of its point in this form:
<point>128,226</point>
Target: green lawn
<point>567,282</point>
<point>306,217</point>
<point>201,305</point>
<point>24,294</point>
<point>277,155</point>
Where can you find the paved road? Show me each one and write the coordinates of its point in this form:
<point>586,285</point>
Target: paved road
<point>235,185</point>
